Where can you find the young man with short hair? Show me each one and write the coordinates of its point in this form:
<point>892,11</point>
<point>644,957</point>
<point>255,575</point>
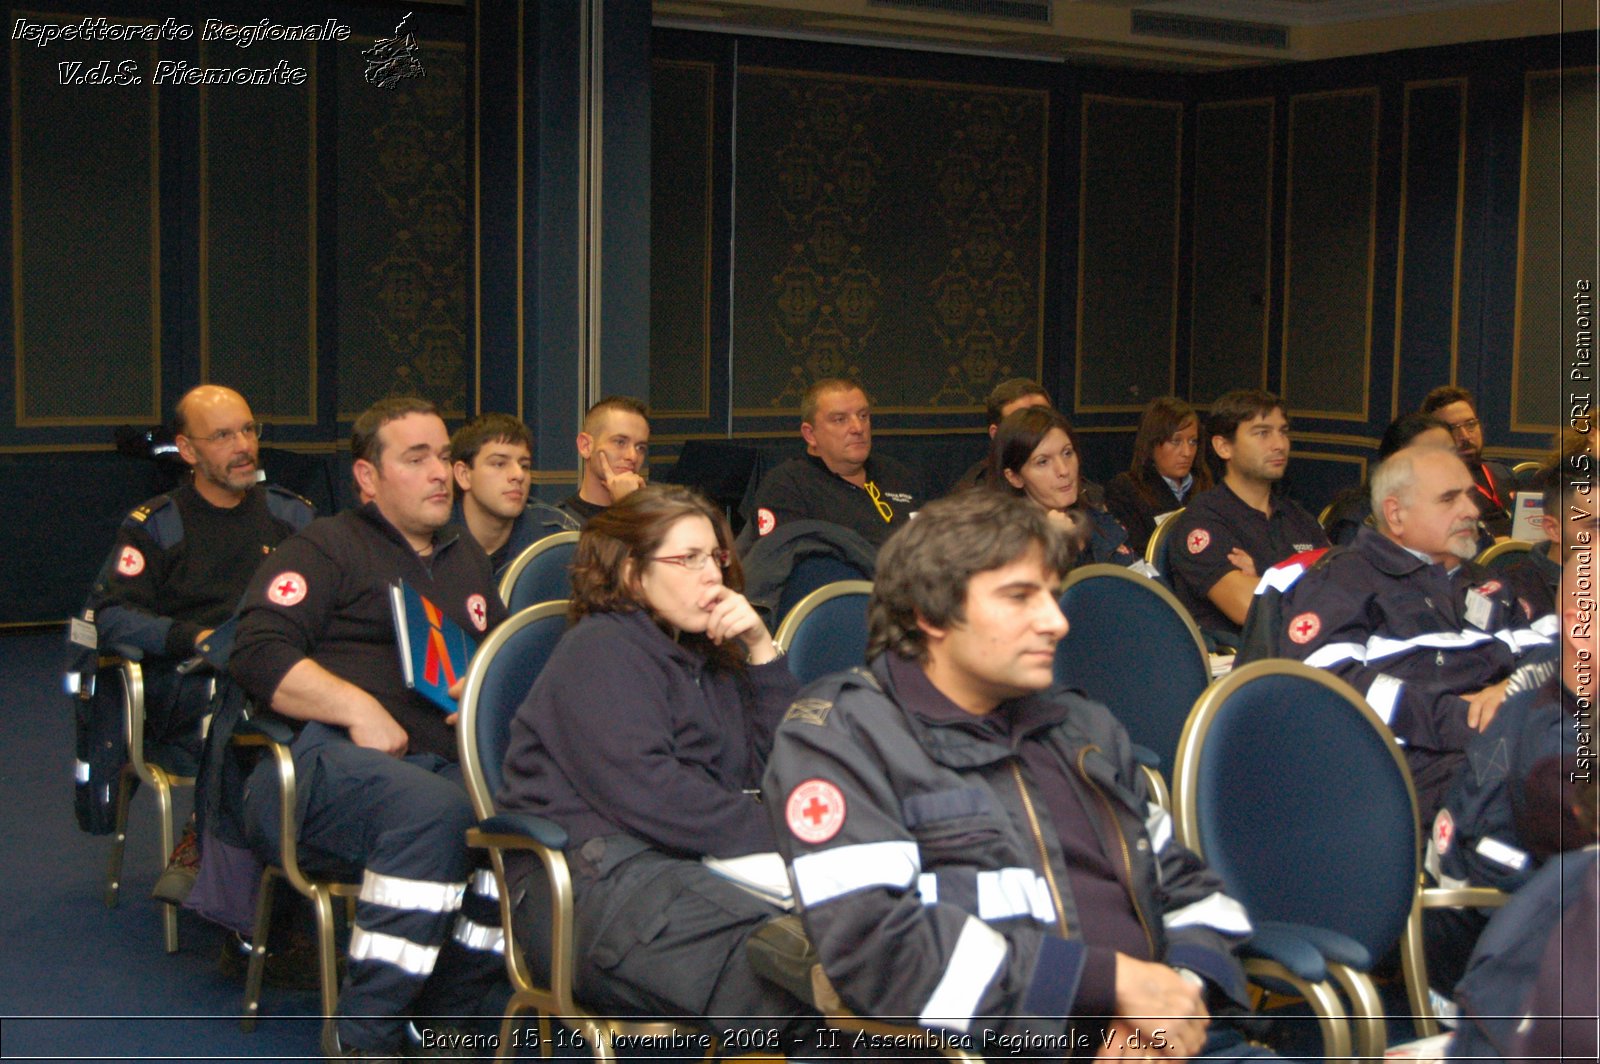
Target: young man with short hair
<point>491,458</point>
<point>1226,537</point>
<point>612,451</point>
<point>975,850</point>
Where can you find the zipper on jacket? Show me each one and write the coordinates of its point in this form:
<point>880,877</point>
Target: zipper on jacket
<point>1122,840</point>
<point>1044,855</point>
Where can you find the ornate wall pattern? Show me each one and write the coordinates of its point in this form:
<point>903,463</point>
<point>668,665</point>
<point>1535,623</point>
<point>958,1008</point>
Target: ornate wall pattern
<point>403,238</point>
<point>887,229</point>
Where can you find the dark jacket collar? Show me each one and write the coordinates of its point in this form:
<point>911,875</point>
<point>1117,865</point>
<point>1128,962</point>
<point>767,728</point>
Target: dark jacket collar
<point>442,538</point>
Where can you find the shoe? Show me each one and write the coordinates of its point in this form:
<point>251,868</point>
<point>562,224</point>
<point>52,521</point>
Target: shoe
<point>293,967</point>
<point>178,879</point>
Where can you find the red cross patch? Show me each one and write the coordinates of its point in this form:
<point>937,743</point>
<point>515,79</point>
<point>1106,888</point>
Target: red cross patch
<point>815,811</point>
<point>1444,832</point>
<point>478,610</point>
<point>130,562</point>
<point>286,589</point>
<point>765,521</point>
<point>1198,540</point>
<point>1304,628</point>
<point>1489,587</point>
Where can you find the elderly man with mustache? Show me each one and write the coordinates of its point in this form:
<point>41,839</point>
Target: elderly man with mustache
<point>1403,615</point>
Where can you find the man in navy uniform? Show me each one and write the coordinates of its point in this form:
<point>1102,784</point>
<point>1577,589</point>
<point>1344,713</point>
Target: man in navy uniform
<point>380,786</point>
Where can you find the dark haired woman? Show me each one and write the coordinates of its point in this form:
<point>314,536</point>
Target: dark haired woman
<point>1164,473</point>
<point>645,737</point>
<point>1035,455</point>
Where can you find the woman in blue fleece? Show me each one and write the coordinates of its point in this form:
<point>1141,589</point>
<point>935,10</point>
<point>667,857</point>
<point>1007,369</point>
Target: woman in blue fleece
<point>645,737</point>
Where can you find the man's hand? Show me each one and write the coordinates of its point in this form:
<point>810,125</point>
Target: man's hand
<point>732,617</point>
<point>1483,705</point>
<point>620,485</point>
<point>374,728</point>
<point>1240,559</point>
<point>1152,996</point>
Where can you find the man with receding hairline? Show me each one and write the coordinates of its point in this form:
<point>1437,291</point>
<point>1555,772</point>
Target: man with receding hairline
<point>839,480</point>
<point>181,562</point>
<point>1404,616</point>
<point>1008,397</point>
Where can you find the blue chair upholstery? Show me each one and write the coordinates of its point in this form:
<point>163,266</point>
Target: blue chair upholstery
<point>502,671</point>
<point>810,573</point>
<point>541,573</point>
<point>827,630</point>
<point>1298,796</point>
<point>1132,646</point>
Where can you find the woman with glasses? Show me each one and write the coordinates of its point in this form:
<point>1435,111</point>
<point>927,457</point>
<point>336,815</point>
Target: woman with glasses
<point>645,737</point>
<point>1035,454</point>
<point>1165,472</point>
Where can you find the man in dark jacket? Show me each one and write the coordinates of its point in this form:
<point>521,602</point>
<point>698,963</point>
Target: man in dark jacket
<point>1404,617</point>
<point>380,787</point>
<point>974,854</point>
<point>492,459</point>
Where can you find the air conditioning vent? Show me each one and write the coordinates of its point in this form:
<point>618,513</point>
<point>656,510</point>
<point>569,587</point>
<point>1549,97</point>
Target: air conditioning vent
<point>1210,30</point>
<point>1035,11</point>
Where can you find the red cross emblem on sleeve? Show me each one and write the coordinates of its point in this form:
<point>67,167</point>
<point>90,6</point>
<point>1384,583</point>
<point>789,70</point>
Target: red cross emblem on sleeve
<point>130,562</point>
<point>1198,540</point>
<point>286,589</point>
<point>765,521</point>
<point>1304,628</point>
<point>815,811</point>
<point>478,610</point>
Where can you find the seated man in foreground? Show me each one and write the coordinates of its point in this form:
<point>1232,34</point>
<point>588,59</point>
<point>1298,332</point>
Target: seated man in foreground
<point>974,851</point>
<point>1405,618</point>
<point>380,789</point>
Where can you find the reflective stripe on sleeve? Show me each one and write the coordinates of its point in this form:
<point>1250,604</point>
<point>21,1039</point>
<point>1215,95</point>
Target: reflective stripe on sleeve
<point>1380,646</point>
<point>477,936</point>
<point>1520,639</point>
<point>979,953</point>
<point>397,892</point>
<point>1012,892</point>
<point>928,887</point>
<point>1158,825</point>
<point>483,884</point>
<point>828,874</point>
<point>1384,695</point>
<point>81,771</point>
<point>404,954</point>
<point>1215,910</point>
<point>1336,654</point>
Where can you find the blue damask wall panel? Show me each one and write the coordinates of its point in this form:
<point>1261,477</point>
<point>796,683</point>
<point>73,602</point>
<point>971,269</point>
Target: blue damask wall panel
<point>888,229</point>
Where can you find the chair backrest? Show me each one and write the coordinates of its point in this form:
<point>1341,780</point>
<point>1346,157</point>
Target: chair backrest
<point>1506,552</point>
<point>827,630</point>
<point>541,573</point>
<point>1526,474</point>
<point>1155,551</point>
<point>499,678</point>
<point>1298,796</point>
<point>1131,645</point>
<point>808,574</point>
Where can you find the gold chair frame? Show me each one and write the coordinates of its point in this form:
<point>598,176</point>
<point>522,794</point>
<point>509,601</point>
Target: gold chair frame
<point>508,579</point>
<point>798,613</point>
<point>1163,529</point>
<point>158,779</point>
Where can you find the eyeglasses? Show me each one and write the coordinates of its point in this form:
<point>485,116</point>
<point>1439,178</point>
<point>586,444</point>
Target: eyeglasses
<point>696,560</point>
<point>1469,425</point>
<point>252,429</point>
<point>877,500</point>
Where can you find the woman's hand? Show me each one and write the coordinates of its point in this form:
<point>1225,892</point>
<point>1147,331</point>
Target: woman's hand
<point>732,617</point>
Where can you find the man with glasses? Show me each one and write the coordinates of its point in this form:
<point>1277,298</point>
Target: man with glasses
<point>838,480</point>
<point>1493,483</point>
<point>181,562</point>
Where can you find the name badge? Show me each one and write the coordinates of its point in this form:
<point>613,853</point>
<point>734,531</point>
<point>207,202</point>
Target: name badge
<point>1479,609</point>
